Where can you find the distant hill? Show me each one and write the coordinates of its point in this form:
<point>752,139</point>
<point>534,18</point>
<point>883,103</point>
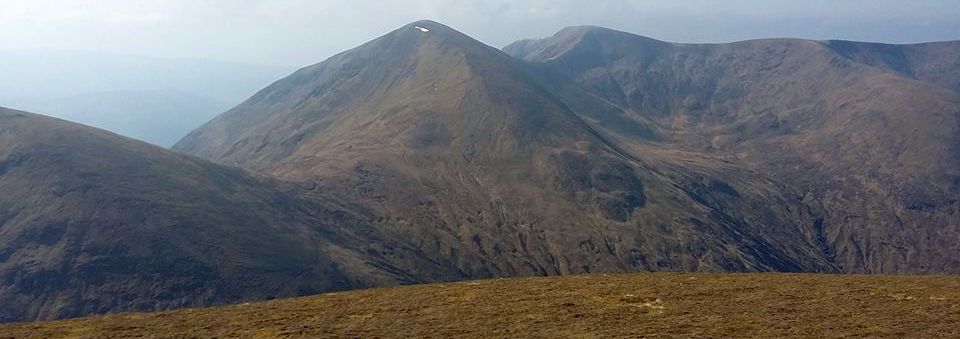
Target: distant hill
<point>152,99</point>
<point>636,305</point>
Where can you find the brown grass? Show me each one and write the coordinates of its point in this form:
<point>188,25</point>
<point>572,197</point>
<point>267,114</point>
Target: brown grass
<point>637,305</point>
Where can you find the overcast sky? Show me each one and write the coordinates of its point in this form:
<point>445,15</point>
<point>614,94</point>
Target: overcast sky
<point>301,32</point>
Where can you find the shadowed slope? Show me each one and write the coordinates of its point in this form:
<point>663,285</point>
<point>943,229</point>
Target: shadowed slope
<point>92,222</point>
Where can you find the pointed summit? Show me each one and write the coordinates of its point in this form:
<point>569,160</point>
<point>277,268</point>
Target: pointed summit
<point>422,74</point>
<point>427,26</point>
<point>415,36</point>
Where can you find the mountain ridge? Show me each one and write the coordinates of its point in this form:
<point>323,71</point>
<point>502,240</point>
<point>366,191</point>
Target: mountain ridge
<point>774,104</point>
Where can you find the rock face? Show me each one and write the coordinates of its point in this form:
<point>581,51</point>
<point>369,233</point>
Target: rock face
<point>867,133</point>
<point>464,153</point>
<point>91,222</point>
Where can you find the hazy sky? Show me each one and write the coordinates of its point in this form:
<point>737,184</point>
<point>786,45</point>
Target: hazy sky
<point>301,32</point>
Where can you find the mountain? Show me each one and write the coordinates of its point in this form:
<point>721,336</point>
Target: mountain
<point>866,133</point>
<point>425,155</point>
<point>470,158</point>
<point>152,99</point>
<point>92,222</point>
<point>769,305</point>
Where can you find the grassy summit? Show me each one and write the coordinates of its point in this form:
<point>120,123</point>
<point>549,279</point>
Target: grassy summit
<point>635,305</point>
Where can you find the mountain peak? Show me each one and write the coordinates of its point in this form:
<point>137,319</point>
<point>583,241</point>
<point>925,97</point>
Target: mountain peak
<point>570,38</point>
<point>583,29</point>
<point>429,24</point>
<point>428,27</point>
<point>431,29</point>
<point>419,38</point>
<point>423,68</point>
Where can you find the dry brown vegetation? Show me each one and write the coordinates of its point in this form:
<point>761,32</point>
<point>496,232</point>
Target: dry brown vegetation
<point>637,305</point>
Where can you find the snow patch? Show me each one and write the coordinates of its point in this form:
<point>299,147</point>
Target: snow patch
<point>421,29</point>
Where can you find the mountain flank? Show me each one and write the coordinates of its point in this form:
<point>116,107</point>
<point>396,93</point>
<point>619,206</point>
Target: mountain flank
<point>92,222</point>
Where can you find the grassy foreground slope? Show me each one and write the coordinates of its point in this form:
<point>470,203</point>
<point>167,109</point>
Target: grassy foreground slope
<point>637,305</point>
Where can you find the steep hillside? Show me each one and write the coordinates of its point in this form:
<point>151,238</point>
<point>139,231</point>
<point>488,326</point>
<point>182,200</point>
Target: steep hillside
<point>91,222</point>
<point>639,305</point>
<point>867,133</point>
<point>461,152</point>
